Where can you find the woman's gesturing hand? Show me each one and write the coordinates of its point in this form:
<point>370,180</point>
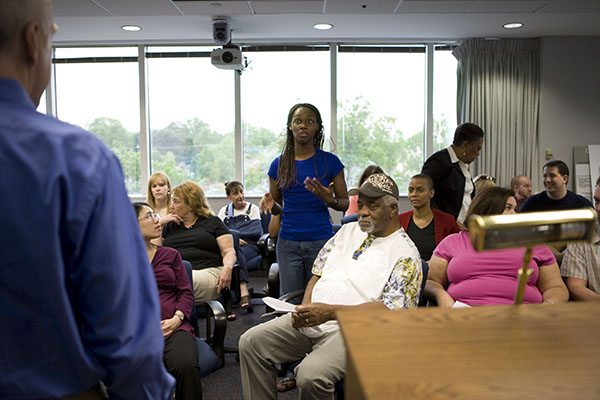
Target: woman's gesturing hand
<point>315,187</point>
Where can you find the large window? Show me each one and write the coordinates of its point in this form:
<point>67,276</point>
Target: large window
<point>444,97</point>
<point>212,125</point>
<point>98,89</point>
<point>272,84</point>
<point>191,117</point>
<point>380,110</point>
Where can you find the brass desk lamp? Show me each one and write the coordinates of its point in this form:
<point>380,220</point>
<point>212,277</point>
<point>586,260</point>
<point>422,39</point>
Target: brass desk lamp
<point>531,229</point>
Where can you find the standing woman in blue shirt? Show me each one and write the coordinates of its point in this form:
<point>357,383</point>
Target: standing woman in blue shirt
<point>304,182</point>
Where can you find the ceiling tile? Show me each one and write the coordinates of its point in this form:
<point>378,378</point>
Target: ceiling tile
<point>77,8</point>
<point>361,6</point>
<point>215,7</point>
<point>470,7</point>
<point>288,7</point>
<point>120,8</point>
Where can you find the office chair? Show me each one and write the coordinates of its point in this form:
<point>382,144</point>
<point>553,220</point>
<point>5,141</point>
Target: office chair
<point>209,358</point>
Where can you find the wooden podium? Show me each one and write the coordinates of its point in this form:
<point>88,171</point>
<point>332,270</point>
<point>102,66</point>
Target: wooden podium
<point>533,351</point>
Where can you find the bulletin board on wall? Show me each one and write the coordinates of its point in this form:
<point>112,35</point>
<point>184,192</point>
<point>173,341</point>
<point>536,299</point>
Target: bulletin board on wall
<point>587,169</point>
<point>594,155</point>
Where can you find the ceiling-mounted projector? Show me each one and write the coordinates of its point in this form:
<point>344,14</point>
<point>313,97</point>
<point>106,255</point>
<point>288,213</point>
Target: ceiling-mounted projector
<point>228,58</point>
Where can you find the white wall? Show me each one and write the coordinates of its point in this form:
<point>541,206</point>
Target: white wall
<point>570,97</point>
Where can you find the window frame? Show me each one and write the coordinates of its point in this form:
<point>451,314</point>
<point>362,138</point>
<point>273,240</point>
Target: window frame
<point>333,49</point>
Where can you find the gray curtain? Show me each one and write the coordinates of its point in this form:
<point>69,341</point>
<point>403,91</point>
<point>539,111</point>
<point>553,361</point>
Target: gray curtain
<point>499,89</point>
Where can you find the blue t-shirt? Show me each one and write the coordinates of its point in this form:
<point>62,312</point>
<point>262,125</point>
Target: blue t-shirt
<point>306,217</point>
<point>541,202</point>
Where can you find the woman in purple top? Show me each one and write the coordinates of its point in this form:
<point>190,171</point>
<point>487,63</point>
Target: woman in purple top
<point>176,299</point>
<point>458,273</point>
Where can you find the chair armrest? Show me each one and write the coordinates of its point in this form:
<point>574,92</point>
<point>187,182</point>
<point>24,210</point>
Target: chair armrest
<point>273,280</point>
<point>292,295</point>
<point>216,338</point>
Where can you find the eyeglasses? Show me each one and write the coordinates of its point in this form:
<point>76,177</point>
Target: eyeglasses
<point>151,217</point>
<point>307,122</point>
<point>485,178</point>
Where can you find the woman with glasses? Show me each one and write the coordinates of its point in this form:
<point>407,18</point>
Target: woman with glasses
<point>305,182</point>
<point>176,299</point>
<point>202,239</point>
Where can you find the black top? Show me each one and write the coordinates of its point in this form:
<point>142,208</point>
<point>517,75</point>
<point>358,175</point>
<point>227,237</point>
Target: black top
<point>198,244</point>
<point>424,238</point>
<point>541,202</point>
<point>448,182</point>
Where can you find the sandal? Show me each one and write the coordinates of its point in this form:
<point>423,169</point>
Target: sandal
<point>231,317</point>
<point>286,384</point>
<point>246,303</point>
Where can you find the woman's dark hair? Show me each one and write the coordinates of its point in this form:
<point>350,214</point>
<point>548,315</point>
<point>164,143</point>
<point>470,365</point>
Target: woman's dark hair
<point>367,172</point>
<point>229,186</point>
<point>138,206</point>
<point>490,201</point>
<point>286,173</point>
<point>467,131</point>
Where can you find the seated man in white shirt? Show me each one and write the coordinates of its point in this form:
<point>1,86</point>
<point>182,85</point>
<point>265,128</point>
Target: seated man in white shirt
<point>370,264</point>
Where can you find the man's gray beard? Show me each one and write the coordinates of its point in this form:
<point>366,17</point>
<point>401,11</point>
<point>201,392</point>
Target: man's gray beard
<point>367,229</point>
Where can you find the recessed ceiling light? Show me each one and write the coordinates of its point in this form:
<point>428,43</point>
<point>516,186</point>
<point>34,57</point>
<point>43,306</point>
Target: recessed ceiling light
<point>131,28</point>
<point>323,27</point>
<point>513,25</point>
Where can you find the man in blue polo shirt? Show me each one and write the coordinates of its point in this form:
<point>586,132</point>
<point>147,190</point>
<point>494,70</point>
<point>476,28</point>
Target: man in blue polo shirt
<point>78,299</point>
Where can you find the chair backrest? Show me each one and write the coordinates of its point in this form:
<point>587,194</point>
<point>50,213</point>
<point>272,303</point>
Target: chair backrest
<point>425,268</point>
<point>193,315</point>
<point>349,218</point>
<point>265,219</point>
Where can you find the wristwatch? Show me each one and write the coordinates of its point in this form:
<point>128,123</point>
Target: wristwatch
<point>180,316</point>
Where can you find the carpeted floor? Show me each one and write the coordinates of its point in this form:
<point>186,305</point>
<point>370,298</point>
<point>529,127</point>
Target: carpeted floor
<point>225,383</point>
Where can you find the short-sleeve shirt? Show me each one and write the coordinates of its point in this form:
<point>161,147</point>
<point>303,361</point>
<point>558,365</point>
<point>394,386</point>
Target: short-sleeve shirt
<point>541,202</point>
<point>582,261</point>
<point>305,217</point>
<point>198,244</point>
<point>489,277</point>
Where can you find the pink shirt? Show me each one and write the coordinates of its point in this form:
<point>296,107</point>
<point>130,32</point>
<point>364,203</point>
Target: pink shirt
<point>489,277</point>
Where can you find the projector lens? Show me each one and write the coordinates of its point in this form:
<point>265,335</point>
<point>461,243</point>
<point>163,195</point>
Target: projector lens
<point>227,57</point>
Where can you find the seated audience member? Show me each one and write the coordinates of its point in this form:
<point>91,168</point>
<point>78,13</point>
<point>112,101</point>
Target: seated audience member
<point>426,226</point>
<point>202,239</point>
<point>556,196</point>
<point>459,273</point>
<point>483,181</point>
<point>521,185</point>
<point>370,265</point>
<point>176,300</point>
<point>159,197</point>
<point>370,170</point>
<point>244,217</point>
<point>581,264</point>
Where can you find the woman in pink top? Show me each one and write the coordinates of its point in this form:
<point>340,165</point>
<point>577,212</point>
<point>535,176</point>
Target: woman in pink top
<point>458,273</point>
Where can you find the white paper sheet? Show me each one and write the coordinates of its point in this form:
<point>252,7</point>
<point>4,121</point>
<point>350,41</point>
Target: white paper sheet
<point>460,304</point>
<point>278,305</point>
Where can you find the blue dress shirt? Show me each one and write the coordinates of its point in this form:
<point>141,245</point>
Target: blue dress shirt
<point>78,299</point>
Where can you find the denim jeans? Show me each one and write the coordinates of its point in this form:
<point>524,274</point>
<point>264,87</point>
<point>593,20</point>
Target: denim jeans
<point>295,261</point>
